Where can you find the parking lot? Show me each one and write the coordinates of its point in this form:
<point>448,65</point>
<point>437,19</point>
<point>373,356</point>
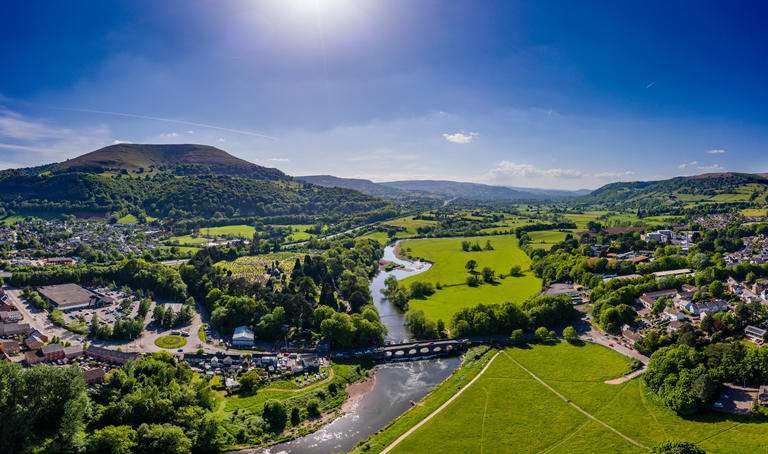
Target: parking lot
<point>736,399</point>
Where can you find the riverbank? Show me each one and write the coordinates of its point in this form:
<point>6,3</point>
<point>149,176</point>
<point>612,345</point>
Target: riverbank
<point>358,390</point>
<point>418,265</point>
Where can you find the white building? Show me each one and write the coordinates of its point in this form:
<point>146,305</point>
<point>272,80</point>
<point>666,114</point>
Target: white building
<point>243,337</point>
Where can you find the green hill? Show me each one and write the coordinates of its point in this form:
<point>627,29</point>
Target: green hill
<point>174,181</point>
<point>683,192</point>
<point>184,159</point>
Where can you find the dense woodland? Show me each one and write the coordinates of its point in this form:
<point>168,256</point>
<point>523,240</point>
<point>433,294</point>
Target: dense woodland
<point>326,294</point>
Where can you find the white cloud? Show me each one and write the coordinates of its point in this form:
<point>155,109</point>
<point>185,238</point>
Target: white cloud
<point>280,159</point>
<point>716,151</point>
<point>191,132</point>
<point>118,142</point>
<point>460,137</point>
<point>221,140</point>
<point>25,148</point>
<point>510,169</point>
<point>173,134</point>
<point>692,163</point>
<point>612,175</point>
<point>711,168</point>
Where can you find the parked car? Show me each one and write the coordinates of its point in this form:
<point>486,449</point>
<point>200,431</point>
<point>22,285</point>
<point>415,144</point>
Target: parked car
<point>718,405</point>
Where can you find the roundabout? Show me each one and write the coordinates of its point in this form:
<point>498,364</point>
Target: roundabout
<point>171,341</point>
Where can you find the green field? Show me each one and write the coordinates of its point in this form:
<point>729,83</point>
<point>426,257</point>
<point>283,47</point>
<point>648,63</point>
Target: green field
<point>506,410</point>
<point>244,231</point>
<point>299,232</point>
<point>182,249</point>
<point>448,269</point>
<point>188,239</point>
<point>131,219</point>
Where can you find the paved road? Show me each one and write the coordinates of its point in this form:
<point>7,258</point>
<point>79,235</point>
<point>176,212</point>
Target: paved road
<point>174,262</point>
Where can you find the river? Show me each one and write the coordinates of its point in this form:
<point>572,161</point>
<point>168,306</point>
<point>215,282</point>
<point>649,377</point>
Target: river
<point>396,383</point>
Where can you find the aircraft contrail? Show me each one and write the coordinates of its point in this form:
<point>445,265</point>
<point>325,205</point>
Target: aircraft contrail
<point>649,86</point>
<point>165,119</point>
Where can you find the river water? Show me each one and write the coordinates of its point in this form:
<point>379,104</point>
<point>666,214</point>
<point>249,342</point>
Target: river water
<point>396,383</point>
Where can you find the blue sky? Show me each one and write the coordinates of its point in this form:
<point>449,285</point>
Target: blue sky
<point>533,94</point>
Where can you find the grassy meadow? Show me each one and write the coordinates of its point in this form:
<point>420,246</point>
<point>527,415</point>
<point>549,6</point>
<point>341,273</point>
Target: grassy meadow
<point>506,410</point>
<point>448,269</point>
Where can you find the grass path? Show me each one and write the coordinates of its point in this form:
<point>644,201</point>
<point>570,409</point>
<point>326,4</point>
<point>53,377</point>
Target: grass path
<point>565,399</point>
<point>431,415</point>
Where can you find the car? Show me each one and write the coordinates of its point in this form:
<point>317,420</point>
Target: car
<point>724,396</point>
<point>618,343</point>
<point>629,348</point>
<point>718,405</point>
<point>431,343</point>
<point>610,345</point>
<point>180,350</point>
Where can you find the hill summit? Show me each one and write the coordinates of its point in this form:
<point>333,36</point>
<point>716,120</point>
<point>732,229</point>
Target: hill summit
<point>131,156</point>
<point>181,159</point>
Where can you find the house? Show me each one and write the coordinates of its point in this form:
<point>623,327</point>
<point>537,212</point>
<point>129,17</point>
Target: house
<point>34,342</point>
<point>34,357</point>
<point>631,336</point>
<point>674,326</point>
<point>243,337</point>
<point>708,307</point>
<point>10,316</point>
<point>754,333</point>
<point>95,375</point>
<point>10,347</point>
<point>673,314</point>
<point>53,352</point>
<point>73,351</point>
<point>14,329</point>
<point>690,288</point>
<point>324,346</point>
<point>36,333</point>
<point>231,383</point>
<point>647,301</point>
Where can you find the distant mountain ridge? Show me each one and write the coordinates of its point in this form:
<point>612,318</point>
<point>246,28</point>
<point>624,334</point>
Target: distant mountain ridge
<point>396,190</point>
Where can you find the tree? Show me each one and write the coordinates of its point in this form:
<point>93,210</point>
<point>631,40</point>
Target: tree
<point>144,306</point>
<point>515,270</point>
<point>471,265</point>
<point>716,289</point>
<point>113,440</point>
<point>158,314</point>
<point>742,312</point>
<point>488,274</point>
<point>94,324</point>
<point>274,412</point>
<point>517,337</point>
<point>751,278</point>
<point>676,447</point>
<point>570,334</point>
<point>541,333</point>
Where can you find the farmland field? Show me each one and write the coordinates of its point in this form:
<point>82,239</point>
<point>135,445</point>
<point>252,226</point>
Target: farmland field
<point>506,410</point>
<point>448,269</point>
<point>244,231</point>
